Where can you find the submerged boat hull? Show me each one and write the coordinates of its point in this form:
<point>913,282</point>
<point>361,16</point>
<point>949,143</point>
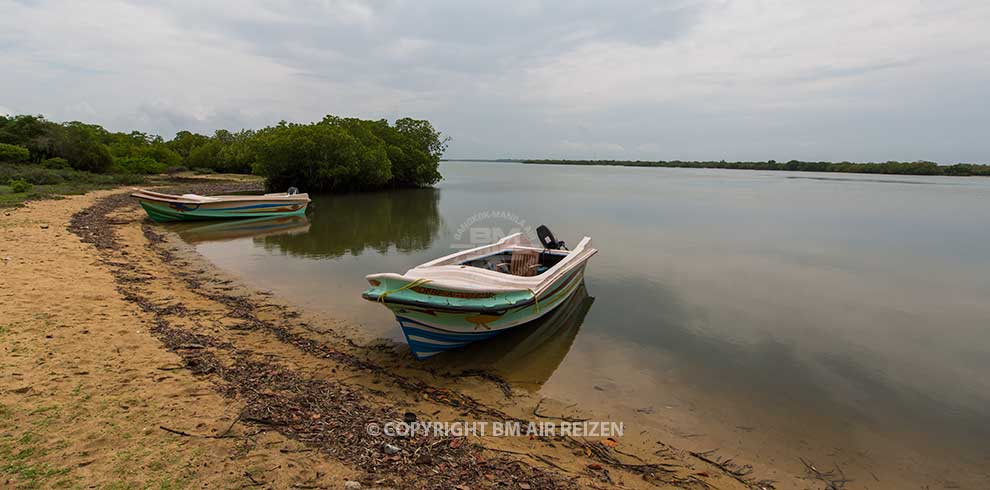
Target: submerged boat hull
<point>164,207</point>
<point>432,329</point>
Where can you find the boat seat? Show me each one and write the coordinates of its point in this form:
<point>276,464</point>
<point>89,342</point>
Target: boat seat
<point>524,263</point>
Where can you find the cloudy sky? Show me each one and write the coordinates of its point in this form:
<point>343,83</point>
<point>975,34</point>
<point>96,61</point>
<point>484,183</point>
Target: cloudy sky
<point>705,79</point>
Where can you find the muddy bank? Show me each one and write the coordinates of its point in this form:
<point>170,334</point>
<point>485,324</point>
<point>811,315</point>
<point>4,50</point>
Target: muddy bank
<point>270,380</point>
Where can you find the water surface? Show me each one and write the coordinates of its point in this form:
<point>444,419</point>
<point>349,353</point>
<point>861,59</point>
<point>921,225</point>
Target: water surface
<point>773,315</point>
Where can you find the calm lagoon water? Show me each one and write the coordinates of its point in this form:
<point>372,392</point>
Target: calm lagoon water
<point>841,318</point>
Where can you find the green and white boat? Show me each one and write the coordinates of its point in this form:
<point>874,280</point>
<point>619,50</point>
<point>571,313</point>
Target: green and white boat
<point>476,294</point>
<point>169,207</point>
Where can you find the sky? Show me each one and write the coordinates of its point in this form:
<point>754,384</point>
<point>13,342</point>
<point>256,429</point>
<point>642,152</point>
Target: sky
<point>654,80</point>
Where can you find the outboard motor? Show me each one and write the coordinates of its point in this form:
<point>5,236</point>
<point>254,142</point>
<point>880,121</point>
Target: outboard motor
<point>547,239</point>
<point>292,191</point>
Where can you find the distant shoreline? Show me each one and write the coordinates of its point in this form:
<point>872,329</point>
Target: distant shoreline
<point>484,160</point>
<point>885,168</point>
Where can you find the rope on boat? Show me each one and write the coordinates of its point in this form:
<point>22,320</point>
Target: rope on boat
<point>410,285</point>
<point>535,299</point>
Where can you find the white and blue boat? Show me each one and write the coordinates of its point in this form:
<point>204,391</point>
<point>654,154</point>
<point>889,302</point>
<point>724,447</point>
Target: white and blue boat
<point>476,294</point>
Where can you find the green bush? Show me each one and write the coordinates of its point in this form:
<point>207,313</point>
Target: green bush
<point>138,165</point>
<point>415,148</point>
<point>31,132</point>
<point>203,171</point>
<point>57,163</point>
<point>13,153</point>
<point>161,154</point>
<point>38,175</point>
<point>205,155</point>
<point>225,152</point>
<point>321,157</point>
<point>80,144</point>
<point>19,185</point>
<point>184,142</point>
<point>346,154</point>
<point>335,153</point>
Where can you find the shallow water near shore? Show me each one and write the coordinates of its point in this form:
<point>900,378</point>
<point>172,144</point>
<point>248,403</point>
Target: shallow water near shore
<point>775,316</point>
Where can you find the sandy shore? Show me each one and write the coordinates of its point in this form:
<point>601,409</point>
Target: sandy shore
<point>129,362</point>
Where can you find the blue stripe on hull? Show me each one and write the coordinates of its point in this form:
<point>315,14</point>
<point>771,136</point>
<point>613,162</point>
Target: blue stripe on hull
<point>424,341</point>
<point>255,206</point>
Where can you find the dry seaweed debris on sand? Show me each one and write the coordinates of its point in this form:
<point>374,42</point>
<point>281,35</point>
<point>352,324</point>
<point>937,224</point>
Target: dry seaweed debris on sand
<point>329,415</point>
<point>739,472</point>
<point>325,414</point>
<point>333,417</point>
<point>243,307</point>
<point>834,479</point>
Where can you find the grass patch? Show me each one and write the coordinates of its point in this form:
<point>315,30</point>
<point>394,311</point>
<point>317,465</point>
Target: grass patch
<point>50,414</point>
<point>79,392</point>
<point>120,485</point>
<point>32,475</point>
<point>169,484</point>
<point>47,183</point>
<point>17,461</point>
<point>26,438</point>
<point>165,483</point>
<point>44,409</point>
<point>9,199</point>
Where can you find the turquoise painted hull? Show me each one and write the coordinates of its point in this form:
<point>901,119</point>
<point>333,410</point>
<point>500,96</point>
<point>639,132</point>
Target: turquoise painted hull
<point>162,212</point>
<point>434,323</point>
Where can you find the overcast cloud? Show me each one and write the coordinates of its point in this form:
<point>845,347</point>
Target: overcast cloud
<point>836,80</point>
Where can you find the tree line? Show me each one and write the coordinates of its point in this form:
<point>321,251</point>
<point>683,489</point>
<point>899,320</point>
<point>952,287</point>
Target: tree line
<point>899,168</point>
<point>333,154</point>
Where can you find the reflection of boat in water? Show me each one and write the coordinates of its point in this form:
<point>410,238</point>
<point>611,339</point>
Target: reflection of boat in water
<point>529,354</point>
<point>406,220</point>
<point>216,231</point>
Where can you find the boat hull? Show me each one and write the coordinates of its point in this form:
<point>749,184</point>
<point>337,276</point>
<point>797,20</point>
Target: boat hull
<point>162,211</point>
<point>432,329</point>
